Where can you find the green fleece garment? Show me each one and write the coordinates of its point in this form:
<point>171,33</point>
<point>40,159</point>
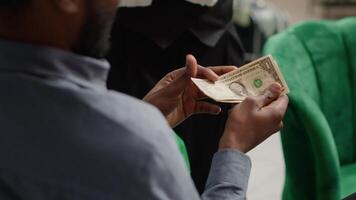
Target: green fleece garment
<point>183,151</point>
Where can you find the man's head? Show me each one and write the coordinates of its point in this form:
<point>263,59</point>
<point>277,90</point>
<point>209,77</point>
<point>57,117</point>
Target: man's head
<point>81,26</point>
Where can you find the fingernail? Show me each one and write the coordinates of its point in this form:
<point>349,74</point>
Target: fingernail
<point>276,86</point>
<point>269,94</point>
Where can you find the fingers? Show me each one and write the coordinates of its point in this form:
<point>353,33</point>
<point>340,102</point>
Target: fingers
<point>195,70</point>
<point>275,111</point>
<point>271,94</point>
<point>191,66</point>
<point>280,105</point>
<point>178,79</point>
<point>210,73</point>
<point>177,85</point>
<point>213,73</point>
<point>207,73</point>
<point>207,108</point>
<point>220,70</point>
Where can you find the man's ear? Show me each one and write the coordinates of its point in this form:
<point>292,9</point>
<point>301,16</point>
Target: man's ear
<point>68,6</point>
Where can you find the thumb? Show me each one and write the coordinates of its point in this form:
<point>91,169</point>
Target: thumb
<point>183,80</point>
<point>178,85</point>
<point>191,65</point>
<point>269,95</point>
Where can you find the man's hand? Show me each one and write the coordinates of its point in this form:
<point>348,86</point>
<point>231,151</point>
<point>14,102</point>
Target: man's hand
<point>178,98</point>
<point>254,120</point>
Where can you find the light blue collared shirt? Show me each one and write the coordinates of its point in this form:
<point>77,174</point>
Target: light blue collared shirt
<point>64,136</point>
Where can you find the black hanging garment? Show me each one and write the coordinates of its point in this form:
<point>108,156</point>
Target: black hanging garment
<point>149,42</point>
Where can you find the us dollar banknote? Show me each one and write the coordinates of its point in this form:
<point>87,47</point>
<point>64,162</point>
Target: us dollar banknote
<point>249,80</point>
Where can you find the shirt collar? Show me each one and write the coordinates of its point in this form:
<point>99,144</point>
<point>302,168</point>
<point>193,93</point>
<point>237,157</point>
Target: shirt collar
<point>50,62</point>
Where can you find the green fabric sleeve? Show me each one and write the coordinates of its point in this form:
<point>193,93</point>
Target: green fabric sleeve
<point>183,151</point>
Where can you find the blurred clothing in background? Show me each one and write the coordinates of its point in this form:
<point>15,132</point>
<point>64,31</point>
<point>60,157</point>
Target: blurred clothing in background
<point>148,42</point>
<point>256,21</point>
<point>138,3</point>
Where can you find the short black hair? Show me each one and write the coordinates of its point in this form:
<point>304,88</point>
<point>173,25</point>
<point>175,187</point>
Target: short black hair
<point>13,3</point>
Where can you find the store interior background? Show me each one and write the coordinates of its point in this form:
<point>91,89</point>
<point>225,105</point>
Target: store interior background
<point>301,10</point>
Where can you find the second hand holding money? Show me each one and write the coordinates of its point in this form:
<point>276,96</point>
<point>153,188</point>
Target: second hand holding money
<point>255,119</point>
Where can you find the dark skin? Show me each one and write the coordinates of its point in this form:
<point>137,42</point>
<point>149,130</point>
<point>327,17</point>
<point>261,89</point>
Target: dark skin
<point>249,123</point>
<point>58,24</point>
<point>30,26</point>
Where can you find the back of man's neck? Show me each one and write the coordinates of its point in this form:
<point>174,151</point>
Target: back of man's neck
<point>24,28</point>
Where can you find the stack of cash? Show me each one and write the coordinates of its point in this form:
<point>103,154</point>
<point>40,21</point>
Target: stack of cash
<point>249,80</point>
